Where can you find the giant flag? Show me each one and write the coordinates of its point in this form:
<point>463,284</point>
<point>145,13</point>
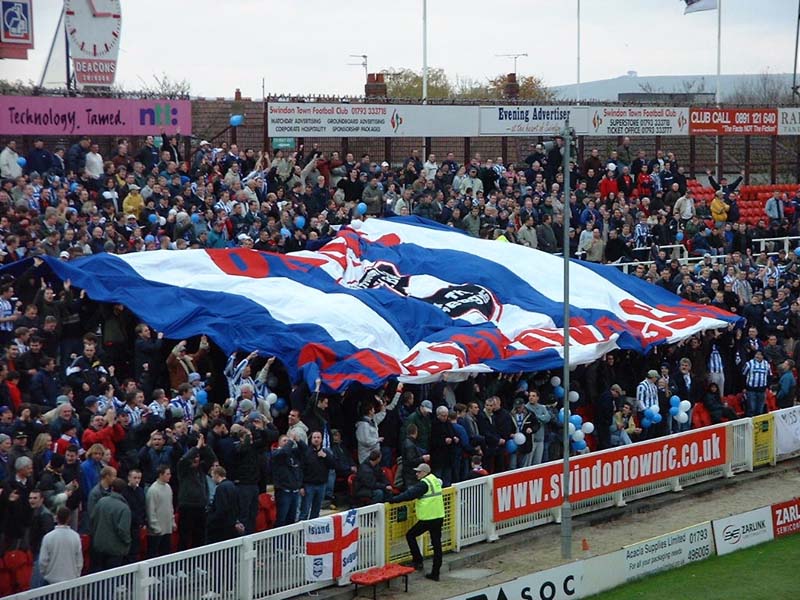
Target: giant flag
<point>390,298</point>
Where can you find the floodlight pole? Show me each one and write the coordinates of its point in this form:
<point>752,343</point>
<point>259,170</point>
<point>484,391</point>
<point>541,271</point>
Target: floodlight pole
<point>566,507</point>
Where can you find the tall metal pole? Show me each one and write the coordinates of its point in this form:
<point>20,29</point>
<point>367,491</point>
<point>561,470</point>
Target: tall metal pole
<point>66,58</point>
<point>719,48</point>
<point>566,507</point>
<point>578,87</point>
<point>795,92</point>
<point>424,51</point>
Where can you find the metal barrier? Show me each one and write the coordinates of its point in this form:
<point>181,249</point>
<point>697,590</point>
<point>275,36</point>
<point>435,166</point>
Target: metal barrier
<point>402,516</point>
<point>784,241</point>
<point>271,564</point>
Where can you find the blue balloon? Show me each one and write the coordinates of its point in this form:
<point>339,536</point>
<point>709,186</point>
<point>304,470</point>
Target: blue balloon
<point>558,392</point>
<point>797,251</point>
<point>580,445</point>
<point>280,404</point>
<point>195,218</point>
<point>657,418</point>
<point>511,446</point>
<point>185,179</point>
<point>285,232</point>
<point>73,187</point>
<point>649,413</point>
<point>646,423</point>
<point>674,410</point>
<point>236,120</point>
<point>679,237</point>
<point>153,218</point>
<point>202,397</point>
<point>362,208</point>
<point>674,401</point>
<point>300,221</point>
<point>149,239</point>
<point>21,161</point>
<point>560,417</point>
<point>576,420</point>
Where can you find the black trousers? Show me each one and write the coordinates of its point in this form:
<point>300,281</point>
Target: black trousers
<point>434,527</point>
<point>191,527</point>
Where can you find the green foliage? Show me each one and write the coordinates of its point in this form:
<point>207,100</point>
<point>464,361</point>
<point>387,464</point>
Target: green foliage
<point>407,83</point>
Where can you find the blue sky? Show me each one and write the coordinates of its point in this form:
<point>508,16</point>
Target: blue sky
<point>301,47</point>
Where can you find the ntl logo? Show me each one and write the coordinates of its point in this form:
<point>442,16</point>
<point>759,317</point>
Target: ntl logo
<point>159,115</point>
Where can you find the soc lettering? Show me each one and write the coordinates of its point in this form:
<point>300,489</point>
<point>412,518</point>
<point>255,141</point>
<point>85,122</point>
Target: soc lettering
<point>549,590</point>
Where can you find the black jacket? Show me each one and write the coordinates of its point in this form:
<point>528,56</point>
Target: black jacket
<point>369,478</point>
<point>136,502</point>
<point>247,465</point>
<point>287,467</point>
<point>224,512</point>
<point>192,485</point>
<point>315,468</point>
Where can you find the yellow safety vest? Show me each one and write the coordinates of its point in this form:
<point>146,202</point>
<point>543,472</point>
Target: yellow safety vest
<point>431,505</point>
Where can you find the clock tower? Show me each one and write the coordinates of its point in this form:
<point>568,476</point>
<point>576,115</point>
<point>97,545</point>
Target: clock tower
<point>93,30</point>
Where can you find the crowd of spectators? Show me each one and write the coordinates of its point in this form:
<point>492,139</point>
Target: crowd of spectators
<point>107,428</point>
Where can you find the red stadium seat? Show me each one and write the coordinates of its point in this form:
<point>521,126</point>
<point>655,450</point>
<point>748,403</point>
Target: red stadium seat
<point>700,416</point>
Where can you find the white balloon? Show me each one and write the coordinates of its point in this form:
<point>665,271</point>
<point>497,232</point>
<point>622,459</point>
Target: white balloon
<point>271,398</point>
<point>574,396</point>
<point>555,381</point>
<point>684,406</point>
<point>587,428</point>
<point>578,436</point>
<point>681,417</point>
<point>655,408</point>
<point>355,224</point>
<point>571,428</point>
<point>519,438</point>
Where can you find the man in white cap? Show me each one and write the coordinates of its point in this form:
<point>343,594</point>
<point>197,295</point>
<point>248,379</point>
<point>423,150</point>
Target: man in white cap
<point>429,508</point>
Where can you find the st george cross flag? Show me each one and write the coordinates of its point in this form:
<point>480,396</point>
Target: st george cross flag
<point>388,298</point>
<point>698,5</point>
<point>331,546</point>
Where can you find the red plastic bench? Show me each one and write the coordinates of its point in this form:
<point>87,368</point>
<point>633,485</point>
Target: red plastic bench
<point>377,575</point>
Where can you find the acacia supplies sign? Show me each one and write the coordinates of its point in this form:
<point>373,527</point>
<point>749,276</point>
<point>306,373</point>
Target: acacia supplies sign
<point>519,493</point>
<point>733,121</point>
<point>669,551</point>
<point>27,115</point>
<point>307,119</point>
<point>639,120</point>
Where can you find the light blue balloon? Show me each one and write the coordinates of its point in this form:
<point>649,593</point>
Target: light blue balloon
<point>195,218</point>
<point>797,251</point>
<point>362,208</point>
<point>649,413</point>
<point>236,120</point>
<point>22,161</point>
<point>674,401</point>
<point>679,237</point>
<point>674,410</point>
<point>153,218</point>
<point>202,397</point>
<point>580,445</point>
<point>285,232</point>
<point>646,423</point>
<point>300,221</point>
<point>560,417</point>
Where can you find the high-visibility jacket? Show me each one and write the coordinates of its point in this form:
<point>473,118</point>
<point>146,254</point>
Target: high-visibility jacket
<point>431,505</point>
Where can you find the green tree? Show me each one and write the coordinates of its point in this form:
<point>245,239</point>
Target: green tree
<point>406,83</point>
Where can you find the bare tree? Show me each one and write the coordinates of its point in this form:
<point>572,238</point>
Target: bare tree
<point>765,89</point>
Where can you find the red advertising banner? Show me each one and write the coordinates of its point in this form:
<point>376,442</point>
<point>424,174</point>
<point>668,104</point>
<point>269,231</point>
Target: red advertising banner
<point>519,493</point>
<point>786,517</point>
<point>733,121</point>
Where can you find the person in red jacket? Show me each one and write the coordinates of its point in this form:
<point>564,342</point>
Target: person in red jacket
<point>103,430</point>
<point>608,185</point>
<point>645,187</point>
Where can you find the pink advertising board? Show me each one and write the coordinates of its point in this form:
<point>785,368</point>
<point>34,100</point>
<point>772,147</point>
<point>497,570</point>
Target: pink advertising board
<point>27,115</point>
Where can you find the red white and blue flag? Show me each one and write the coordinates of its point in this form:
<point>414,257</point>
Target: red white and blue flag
<point>331,546</point>
<point>388,298</point>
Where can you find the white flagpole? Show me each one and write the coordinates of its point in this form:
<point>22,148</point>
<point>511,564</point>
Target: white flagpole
<point>578,90</point>
<point>719,47</point>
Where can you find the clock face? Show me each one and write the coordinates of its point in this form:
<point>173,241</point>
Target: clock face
<point>93,26</point>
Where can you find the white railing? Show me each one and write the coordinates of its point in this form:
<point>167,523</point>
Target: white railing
<point>271,564</point>
<point>779,241</point>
